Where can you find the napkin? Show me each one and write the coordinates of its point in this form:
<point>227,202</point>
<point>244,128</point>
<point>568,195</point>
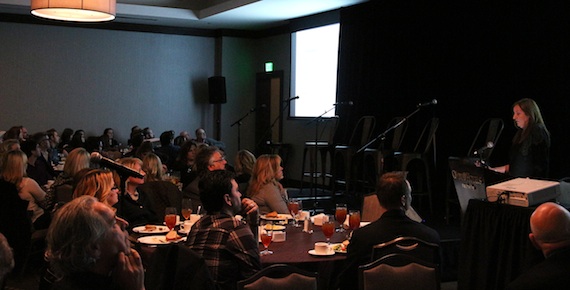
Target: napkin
<point>319,219</point>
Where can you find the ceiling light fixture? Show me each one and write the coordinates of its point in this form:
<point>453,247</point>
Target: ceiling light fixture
<point>75,10</point>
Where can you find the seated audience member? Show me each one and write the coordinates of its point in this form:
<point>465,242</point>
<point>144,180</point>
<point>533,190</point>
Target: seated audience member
<point>77,140</point>
<point>143,150</point>
<point>185,163</point>
<point>244,163</point>
<point>65,140</point>
<point>394,195</point>
<point>77,160</point>
<point>38,168</point>
<point>265,188</point>
<point>147,133</point>
<point>182,138</point>
<point>202,138</point>
<point>167,150</point>
<point>13,170</point>
<point>88,248</point>
<point>550,233</point>
<point>100,184</point>
<point>14,133</point>
<point>162,193</point>
<point>135,206</point>
<point>53,152</point>
<point>137,139</point>
<point>6,258</point>
<point>108,140</point>
<point>226,243</point>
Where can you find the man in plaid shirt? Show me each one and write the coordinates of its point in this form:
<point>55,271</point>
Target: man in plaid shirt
<point>226,243</point>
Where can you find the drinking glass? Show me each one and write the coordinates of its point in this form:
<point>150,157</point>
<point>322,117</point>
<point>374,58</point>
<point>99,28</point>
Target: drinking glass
<point>294,206</point>
<point>170,217</point>
<point>328,229</point>
<point>340,215</point>
<point>266,235</point>
<point>186,208</point>
<point>354,219</point>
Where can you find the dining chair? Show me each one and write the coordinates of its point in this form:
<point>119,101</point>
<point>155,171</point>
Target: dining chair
<point>399,271</point>
<point>280,277</point>
<point>412,246</point>
<point>177,267</point>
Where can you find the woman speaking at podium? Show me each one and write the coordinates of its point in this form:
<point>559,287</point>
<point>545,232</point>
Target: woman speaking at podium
<point>529,152</point>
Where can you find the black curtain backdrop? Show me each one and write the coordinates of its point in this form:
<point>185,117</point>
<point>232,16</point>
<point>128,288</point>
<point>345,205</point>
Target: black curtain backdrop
<point>475,57</point>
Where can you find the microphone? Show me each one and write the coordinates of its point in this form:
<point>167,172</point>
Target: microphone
<point>487,146</point>
<point>290,99</point>
<point>432,102</point>
<point>349,103</point>
<point>120,168</point>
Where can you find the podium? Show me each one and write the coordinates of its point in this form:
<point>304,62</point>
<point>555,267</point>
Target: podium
<point>470,181</point>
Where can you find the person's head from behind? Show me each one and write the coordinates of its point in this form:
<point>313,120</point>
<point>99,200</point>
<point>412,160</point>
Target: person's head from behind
<point>76,160</point>
<point>152,166</point>
<point>14,133</point>
<point>208,159</point>
<point>394,191</point>
<point>166,138</point>
<point>550,228</point>
<point>244,162</point>
<point>200,135</point>
<point>100,184</point>
<point>13,166</point>
<point>86,236</point>
<point>267,168</point>
<point>66,135</point>
<point>526,113</point>
<point>219,192</point>
<point>31,148</point>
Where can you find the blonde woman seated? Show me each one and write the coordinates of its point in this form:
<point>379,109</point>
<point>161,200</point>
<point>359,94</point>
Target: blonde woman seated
<point>100,184</point>
<point>265,188</point>
<point>13,170</point>
<point>61,190</point>
<point>163,193</point>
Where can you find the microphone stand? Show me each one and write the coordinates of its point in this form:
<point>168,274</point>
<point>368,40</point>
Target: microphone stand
<point>238,122</point>
<point>270,128</point>
<point>383,134</point>
<point>316,120</point>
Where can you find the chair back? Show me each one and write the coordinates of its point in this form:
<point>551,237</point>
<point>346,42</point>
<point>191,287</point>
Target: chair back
<point>412,246</point>
<point>177,267</point>
<point>427,137</point>
<point>280,277</point>
<point>494,127</point>
<point>333,123</point>
<point>398,133</point>
<point>363,131</point>
<point>399,271</point>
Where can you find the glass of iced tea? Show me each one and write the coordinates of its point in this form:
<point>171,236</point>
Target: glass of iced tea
<point>340,215</point>
<point>266,235</point>
<point>294,206</point>
<point>354,219</point>
<point>186,208</point>
<point>170,217</point>
<point>328,229</point>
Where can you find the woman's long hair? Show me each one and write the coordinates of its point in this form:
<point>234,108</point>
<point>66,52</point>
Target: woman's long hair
<point>97,183</point>
<point>530,108</point>
<point>245,161</point>
<point>264,172</point>
<point>13,167</point>
<point>152,166</point>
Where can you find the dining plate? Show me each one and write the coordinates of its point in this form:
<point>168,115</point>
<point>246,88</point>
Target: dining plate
<point>157,230</point>
<point>338,248</point>
<point>314,253</point>
<point>158,240</point>
<point>280,217</point>
<point>274,227</point>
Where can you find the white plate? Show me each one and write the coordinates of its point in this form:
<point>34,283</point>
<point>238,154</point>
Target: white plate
<point>312,252</point>
<point>275,227</point>
<point>143,230</point>
<point>337,248</point>
<point>280,217</point>
<point>157,240</point>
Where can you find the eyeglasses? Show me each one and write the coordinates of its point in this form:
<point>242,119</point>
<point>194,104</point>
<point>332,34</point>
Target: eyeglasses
<point>220,160</point>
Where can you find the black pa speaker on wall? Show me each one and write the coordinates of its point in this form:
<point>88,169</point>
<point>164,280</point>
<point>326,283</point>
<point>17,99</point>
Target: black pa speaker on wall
<point>217,90</point>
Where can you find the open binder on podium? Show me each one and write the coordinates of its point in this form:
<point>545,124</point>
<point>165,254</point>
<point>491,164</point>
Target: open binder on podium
<point>471,181</point>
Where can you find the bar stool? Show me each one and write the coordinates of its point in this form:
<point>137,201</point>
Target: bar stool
<point>314,148</point>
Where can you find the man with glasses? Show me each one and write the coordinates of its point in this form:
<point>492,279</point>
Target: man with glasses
<point>209,159</point>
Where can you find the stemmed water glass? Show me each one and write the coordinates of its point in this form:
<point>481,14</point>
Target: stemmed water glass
<point>328,229</point>
<point>266,235</point>
<point>294,206</point>
<point>340,215</point>
<point>186,208</point>
<point>170,217</point>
